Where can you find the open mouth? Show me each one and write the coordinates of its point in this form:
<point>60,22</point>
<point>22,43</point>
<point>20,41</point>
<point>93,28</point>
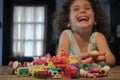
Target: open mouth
<point>83,18</point>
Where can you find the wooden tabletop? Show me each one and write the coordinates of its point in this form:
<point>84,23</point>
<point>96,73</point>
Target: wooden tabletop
<point>113,75</point>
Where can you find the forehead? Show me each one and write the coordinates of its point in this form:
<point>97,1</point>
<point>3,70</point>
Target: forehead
<point>81,3</point>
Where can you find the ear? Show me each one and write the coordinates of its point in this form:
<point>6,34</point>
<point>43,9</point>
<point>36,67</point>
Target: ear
<point>69,25</point>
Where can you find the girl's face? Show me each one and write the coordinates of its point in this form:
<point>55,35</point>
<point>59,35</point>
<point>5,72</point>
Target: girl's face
<point>81,14</point>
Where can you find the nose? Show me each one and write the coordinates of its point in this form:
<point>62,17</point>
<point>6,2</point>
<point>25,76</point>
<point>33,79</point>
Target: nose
<point>82,10</point>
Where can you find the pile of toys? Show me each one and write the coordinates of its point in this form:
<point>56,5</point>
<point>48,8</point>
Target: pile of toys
<point>62,66</point>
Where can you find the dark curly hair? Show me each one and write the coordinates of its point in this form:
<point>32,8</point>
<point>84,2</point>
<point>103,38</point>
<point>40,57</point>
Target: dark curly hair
<point>61,20</point>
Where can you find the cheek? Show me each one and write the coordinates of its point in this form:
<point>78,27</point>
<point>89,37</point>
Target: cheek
<point>72,16</point>
<point>92,18</point>
<point>73,21</point>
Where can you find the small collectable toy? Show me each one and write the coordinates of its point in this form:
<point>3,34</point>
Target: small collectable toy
<point>23,71</point>
<point>56,73</point>
<point>71,72</point>
<point>105,70</point>
<point>42,74</point>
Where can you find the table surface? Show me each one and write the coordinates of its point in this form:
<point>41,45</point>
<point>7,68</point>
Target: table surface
<point>113,75</point>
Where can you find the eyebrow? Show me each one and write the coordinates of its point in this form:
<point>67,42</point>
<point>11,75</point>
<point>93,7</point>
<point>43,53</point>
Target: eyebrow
<point>78,5</point>
<point>74,6</point>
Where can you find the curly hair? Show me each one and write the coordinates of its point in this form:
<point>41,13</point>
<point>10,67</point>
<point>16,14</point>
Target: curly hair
<point>61,20</point>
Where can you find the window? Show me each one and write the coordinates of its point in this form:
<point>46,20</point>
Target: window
<point>28,30</point>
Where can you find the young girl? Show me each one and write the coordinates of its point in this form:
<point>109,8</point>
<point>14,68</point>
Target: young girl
<point>83,29</point>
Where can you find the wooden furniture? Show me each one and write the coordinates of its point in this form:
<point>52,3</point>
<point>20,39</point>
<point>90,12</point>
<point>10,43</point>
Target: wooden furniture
<point>113,75</point>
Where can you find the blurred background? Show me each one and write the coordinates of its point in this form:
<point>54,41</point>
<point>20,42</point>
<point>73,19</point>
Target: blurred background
<point>26,28</point>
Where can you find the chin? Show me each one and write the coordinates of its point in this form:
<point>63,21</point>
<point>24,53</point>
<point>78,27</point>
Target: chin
<point>84,26</point>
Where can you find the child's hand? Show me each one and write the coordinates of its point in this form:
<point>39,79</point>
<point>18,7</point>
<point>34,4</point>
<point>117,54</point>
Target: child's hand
<point>96,57</point>
<point>100,58</point>
<point>85,58</point>
<point>94,53</point>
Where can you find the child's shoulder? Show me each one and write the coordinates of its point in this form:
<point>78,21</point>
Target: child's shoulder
<point>97,36</point>
<point>67,32</point>
<point>100,36</point>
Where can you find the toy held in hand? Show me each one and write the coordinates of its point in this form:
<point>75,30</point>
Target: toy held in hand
<point>94,53</point>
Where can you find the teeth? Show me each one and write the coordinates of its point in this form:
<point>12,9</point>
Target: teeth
<point>83,18</point>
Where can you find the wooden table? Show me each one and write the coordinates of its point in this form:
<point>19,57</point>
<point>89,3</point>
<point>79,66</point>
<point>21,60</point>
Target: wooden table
<point>113,75</point>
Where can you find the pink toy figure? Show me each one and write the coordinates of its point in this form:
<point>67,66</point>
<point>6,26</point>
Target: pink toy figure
<point>39,62</point>
<point>96,72</point>
<point>14,65</point>
<point>10,64</point>
<point>55,59</point>
<point>47,55</point>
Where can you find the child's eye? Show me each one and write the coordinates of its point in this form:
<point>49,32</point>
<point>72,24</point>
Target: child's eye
<point>87,8</point>
<point>76,9</point>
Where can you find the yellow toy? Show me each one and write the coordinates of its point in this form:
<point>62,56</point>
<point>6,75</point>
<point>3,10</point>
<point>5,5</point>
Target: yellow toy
<point>73,60</point>
<point>94,53</point>
<point>38,68</point>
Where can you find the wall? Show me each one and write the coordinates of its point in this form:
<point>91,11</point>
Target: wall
<point>1,21</point>
<point>59,3</point>
<point>115,20</point>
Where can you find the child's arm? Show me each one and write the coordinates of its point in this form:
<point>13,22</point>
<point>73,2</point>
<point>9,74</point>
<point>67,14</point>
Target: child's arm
<point>103,46</point>
<point>63,43</point>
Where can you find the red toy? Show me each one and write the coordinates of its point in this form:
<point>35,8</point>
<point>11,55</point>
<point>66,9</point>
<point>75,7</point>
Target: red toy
<point>71,72</point>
